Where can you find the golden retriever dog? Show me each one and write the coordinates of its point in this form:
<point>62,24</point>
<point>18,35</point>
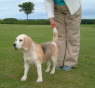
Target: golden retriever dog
<point>35,53</point>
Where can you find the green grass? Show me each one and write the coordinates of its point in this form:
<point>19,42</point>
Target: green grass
<point>11,61</point>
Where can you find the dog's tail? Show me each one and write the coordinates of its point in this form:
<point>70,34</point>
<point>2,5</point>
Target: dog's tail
<point>55,32</point>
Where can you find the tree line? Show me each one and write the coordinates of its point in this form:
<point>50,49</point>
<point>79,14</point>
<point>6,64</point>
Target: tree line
<point>38,21</point>
<point>88,21</point>
<point>31,22</point>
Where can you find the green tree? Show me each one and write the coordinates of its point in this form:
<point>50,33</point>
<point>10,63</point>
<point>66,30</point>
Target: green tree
<point>27,8</point>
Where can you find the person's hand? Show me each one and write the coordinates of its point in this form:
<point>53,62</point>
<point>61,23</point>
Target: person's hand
<point>52,22</point>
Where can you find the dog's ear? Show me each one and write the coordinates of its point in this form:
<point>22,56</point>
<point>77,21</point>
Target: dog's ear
<point>27,43</point>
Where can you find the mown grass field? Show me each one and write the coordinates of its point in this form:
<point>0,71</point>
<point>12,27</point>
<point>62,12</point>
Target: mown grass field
<point>11,61</point>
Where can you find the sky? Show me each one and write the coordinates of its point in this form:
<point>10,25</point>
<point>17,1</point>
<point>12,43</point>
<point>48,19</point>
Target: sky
<point>10,9</point>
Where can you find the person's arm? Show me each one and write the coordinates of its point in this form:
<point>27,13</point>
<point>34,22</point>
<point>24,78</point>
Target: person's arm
<point>49,6</point>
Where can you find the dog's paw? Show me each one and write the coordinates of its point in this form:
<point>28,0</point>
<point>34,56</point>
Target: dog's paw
<point>23,78</point>
<point>52,72</point>
<point>47,70</point>
<point>39,80</point>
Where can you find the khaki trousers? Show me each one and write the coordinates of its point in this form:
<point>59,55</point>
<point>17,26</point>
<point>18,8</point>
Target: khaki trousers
<point>68,36</point>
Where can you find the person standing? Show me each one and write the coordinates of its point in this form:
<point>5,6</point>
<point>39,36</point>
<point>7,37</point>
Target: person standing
<point>66,14</point>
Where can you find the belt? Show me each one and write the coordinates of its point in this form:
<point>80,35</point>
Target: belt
<point>58,6</point>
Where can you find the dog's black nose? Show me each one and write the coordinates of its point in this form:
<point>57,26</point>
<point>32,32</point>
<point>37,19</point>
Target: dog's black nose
<point>14,45</point>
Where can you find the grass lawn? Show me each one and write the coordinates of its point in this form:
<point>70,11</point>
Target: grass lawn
<point>11,62</point>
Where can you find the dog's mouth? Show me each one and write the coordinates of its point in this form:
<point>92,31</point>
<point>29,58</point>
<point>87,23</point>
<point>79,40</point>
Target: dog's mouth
<point>15,48</point>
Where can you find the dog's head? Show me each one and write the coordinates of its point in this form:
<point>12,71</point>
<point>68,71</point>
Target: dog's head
<point>22,42</point>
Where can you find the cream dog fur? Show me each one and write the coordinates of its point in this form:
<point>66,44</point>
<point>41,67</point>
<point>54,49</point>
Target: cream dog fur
<point>37,53</point>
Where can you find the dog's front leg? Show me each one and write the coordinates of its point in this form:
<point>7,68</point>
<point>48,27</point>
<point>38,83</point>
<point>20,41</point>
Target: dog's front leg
<point>26,69</point>
<point>39,72</point>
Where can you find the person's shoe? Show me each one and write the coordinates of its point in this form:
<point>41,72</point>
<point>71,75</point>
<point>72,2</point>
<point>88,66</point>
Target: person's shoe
<point>59,68</point>
<point>67,68</point>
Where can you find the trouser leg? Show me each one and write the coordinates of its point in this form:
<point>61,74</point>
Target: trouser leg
<point>72,24</point>
<point>59,18</point>
<point>68,36</point>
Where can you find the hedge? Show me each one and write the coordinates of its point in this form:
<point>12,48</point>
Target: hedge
<point>32,22</point>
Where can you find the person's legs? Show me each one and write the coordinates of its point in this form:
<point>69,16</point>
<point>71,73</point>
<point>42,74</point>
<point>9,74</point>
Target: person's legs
<point>68,37</point>
<point>72,24</point>
<point>59,18</point>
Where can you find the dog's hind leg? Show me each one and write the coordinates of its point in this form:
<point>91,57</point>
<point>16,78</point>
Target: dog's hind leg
<point>48,66</point>
<point>54,61</point>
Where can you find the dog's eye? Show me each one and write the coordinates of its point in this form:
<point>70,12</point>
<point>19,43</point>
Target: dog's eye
<point>20,40</point>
